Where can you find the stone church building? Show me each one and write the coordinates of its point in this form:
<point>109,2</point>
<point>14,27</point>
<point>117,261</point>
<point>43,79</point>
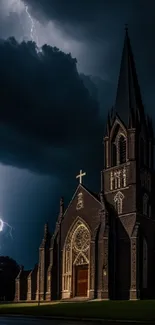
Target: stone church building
<point>103,245</point>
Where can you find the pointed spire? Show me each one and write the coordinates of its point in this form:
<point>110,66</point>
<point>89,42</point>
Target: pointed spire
<point>61,206</point>
<point>61,210</point>
<point>128,104</point>
<point>45,230</point>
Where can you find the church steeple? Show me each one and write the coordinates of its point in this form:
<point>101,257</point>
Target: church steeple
<point>128,104</point>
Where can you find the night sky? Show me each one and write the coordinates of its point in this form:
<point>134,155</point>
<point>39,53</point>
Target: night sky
<point>54,102</point>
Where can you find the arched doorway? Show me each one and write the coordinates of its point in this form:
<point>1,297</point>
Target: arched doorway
<point>76,261</point>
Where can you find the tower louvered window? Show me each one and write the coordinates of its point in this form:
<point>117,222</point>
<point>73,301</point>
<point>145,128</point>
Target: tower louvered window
<point>122,149</point>
<point>114,147</point>
<point>113,154</point>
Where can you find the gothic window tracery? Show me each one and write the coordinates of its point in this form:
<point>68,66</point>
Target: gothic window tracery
<point>114,147</point>
<point>113,154</point>
<point>81,240</point>
<point>117,179</point>
<point>122,149</point>
<point>118,148</point>
<point>111,180</point>
<point>124,177</point>
<point>76,251</point>
<point>118,200</point>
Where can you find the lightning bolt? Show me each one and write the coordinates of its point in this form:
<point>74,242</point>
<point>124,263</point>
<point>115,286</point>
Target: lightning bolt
<point>33,33</point>
<point>10,229</point>
<point>19,6</point>
<point>2,224</point>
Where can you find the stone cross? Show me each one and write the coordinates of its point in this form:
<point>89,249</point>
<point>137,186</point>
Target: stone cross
<point>80,176</point>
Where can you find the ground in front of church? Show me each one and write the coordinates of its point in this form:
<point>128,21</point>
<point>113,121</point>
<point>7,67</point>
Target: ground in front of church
<point>141,310</point>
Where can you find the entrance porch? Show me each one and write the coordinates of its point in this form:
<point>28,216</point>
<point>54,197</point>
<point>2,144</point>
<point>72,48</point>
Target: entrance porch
<point>78,283</point>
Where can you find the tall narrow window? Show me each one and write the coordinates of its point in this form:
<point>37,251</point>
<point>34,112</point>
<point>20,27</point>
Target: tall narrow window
<point>122,149</point>
<point>114,146</point>
<point>111,181</point>
<point>118,206</point>
<point>118,200</point>
<point>117,179</point>
<point>113,154</point>
<point>124,177</point>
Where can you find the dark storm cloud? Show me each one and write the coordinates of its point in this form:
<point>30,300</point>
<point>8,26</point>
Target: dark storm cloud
<point>76,11</point>
<point>100,25</point>
<point>89,18</point>
<point>47,100</point>
<point>48,117</point>
<point>96,20</point>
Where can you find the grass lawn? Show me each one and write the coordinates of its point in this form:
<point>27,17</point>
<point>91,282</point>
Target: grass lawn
<point>122,310</point>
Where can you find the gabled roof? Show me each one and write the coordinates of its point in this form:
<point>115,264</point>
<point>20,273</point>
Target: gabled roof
<point>94,195</point>
<point>128,104</point>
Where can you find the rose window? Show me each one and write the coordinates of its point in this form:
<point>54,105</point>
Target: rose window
<point>81,239</point>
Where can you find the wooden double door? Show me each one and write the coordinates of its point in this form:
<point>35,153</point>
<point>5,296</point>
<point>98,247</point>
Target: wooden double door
<point>81,281</point>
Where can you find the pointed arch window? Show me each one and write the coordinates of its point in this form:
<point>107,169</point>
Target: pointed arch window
<point>118,200</point>
<point>113,154</point>
<point>122,149</point>
<point>118,147</point>
<point>75,252</point>
<point>114,146</point>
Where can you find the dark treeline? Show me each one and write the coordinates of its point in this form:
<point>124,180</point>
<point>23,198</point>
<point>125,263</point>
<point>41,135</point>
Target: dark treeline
<point>9,270</point>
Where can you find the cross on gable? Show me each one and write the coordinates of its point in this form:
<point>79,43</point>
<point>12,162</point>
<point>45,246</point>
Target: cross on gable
<point>80,176</point>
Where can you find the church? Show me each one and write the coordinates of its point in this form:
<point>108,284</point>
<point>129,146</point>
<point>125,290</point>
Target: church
<point>103,246</point>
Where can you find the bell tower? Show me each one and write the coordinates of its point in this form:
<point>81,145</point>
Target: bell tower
<point>128,144</point>
<point>127,177</point>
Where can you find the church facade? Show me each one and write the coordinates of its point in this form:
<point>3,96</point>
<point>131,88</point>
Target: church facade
<point>104,244</point>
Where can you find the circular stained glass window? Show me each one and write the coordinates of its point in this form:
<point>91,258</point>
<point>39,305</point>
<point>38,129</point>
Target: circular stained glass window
<point>81,239</point>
